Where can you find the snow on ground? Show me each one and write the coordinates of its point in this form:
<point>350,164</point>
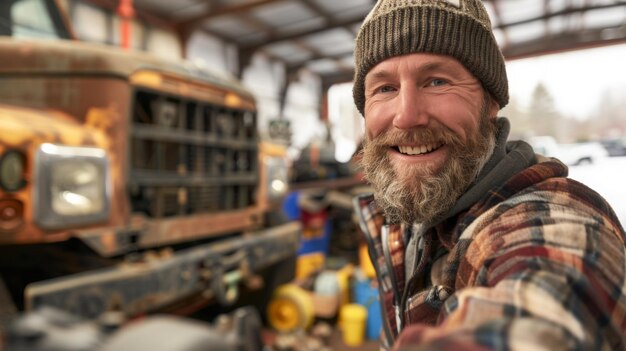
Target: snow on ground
<point>608,178</point>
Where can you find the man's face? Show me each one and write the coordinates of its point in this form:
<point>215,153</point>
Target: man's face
<point>429,130</point>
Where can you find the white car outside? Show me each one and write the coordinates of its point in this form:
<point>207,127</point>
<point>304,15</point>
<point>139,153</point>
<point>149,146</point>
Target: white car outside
<point>570,154</point>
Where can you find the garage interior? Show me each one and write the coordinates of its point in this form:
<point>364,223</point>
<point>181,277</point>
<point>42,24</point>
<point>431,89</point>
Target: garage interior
<point>288,57</point>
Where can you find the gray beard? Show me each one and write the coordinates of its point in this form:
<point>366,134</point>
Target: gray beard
<point>423,196</point>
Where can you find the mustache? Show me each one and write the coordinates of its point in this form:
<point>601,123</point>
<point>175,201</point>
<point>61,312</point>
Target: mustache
<point>436,134</point>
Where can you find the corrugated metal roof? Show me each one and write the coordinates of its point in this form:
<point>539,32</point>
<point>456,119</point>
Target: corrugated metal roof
<point>319,34</point>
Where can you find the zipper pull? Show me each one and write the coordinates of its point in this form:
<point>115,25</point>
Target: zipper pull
<point>398,319</point>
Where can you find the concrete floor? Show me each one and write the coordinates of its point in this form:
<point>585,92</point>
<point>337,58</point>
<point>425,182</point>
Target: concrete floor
<point>337,344</point>
<point>334,343</point>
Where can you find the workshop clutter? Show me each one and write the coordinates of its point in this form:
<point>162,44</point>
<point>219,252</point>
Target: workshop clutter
<point>312,211</point>
<point>365,293</point>
<point>345,297</point>
<point>365,262</point>
<point>290,309</point>
<point>328,227</point>
<point>334,286</point>
<point>352,324</point>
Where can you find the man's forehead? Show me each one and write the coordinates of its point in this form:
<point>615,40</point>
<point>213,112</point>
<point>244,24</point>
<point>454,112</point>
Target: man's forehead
<point>421,62</point>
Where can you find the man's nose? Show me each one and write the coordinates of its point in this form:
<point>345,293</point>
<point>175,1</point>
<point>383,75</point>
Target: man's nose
<point>411,109</point>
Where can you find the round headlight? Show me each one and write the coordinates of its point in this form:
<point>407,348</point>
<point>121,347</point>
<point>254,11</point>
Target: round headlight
<point>12,171</point>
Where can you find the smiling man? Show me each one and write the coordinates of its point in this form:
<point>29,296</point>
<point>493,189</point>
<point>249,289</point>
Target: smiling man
<point>442,133</point>
<point>478,242</point>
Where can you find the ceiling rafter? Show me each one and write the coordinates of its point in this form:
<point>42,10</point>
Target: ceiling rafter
<point>301,44</point>
<point>193,22</point>
<point>498,13</point>
<point>317,55</point>
<point>312,5</point>
<point>333,24</point>
<point>321,11</point>
<point>564,12</point>
<point>296,66</point>
<point>258,24</point>
<point>546,10</point>
<point>564,42</point>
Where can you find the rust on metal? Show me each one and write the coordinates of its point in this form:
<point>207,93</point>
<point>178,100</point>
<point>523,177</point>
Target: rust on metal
<point>184,165</point>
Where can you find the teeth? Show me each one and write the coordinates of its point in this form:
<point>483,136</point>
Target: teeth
<point>417,150</point>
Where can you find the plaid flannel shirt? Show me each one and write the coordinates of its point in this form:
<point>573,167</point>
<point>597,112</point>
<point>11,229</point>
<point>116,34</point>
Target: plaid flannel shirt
<point>537,264</point>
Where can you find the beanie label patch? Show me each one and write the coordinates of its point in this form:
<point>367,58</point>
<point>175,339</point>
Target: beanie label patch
<point>455,3</point>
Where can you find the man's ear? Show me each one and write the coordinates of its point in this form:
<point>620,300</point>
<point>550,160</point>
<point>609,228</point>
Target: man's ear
<point>494,107</point>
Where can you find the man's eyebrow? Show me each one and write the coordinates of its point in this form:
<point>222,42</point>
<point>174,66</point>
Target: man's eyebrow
<point>379,74</point>
<point>426,68</point>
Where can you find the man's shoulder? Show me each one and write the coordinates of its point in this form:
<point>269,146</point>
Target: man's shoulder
<point>557,191</point>
<point>541,194</point>
<point>547,180</point>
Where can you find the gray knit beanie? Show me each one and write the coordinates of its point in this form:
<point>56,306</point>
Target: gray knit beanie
<point>457,28</point>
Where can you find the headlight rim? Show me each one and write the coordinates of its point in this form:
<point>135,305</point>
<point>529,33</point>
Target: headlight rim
<point>44,215</point>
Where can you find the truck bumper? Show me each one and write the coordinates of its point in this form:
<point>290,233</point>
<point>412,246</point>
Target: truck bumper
<point>156,280</point>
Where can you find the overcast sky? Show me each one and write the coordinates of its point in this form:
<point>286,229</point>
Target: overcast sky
<point>577,79</point>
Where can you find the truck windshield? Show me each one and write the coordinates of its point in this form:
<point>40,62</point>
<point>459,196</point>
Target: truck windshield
<point>31,19</point>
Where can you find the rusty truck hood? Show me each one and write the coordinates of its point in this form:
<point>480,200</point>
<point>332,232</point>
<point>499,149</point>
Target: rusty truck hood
<point>63,57</point>
<point>26,128</point>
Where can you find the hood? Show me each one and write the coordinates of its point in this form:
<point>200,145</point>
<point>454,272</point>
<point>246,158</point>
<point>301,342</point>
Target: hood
<point>508,158</point>
<point>64,57</point>
<point>25,128</point>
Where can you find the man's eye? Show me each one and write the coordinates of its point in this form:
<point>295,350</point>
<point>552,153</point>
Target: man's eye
<point>437,82</point>
<point>385,89</point>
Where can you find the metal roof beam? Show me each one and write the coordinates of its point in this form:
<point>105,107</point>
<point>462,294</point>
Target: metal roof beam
<point>296,66</point>
<point>564,12</point>
<point>565,42</point>
<point>281,37</point>
<point>190,23</point>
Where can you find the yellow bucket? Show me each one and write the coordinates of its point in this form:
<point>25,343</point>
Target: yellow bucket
<point>366,262</point>
<point>353,317</point>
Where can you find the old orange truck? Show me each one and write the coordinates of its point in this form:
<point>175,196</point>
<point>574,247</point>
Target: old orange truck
<point>128,183</point>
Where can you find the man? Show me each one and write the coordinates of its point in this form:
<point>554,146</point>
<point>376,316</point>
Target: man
<point>478,243</point>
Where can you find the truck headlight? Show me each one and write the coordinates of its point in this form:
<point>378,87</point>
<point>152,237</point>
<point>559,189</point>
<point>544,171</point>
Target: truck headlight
<point>76,188</point>
<point>72,186</point>
<point>12,171</point>
<point>277,177</point>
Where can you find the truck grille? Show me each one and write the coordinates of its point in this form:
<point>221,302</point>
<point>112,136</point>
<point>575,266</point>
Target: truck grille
<point>190,157</point>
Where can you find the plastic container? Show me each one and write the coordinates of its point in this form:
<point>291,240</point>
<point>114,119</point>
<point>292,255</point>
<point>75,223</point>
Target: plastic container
<point>308,264</point>
<point>316,229</point>
<point>365,262</point>
<point>366,295</point>
<point>291,308</point>
<point>352,321</point>
<point>326,294</point>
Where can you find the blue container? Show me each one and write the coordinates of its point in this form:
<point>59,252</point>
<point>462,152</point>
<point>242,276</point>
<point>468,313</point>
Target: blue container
<point>367,295</point>
<point>319,243</point>
<point>316,243</point>
<point>290,206</point>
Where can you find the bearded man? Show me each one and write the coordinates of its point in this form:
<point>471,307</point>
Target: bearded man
<point>478,243</point>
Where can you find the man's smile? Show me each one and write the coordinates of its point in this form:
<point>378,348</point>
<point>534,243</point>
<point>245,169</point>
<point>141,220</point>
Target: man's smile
<point>427,157</point>
<point>418,149</point>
